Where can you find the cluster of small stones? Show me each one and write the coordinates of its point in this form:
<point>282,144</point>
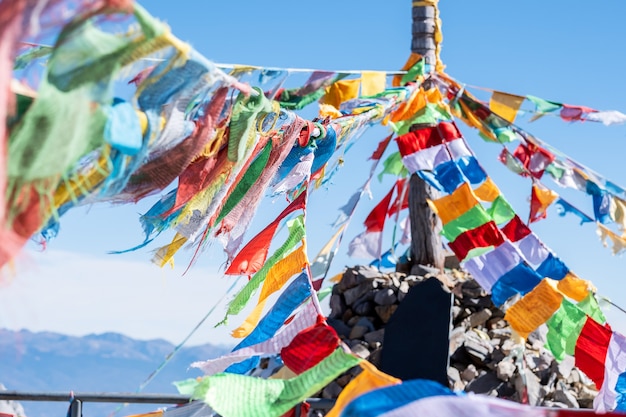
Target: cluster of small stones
<point>484,357</point>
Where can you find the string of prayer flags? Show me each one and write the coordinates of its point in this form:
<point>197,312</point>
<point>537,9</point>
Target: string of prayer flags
<point>294,295</point>
<point>277,276</point>
<point>535,159</point>
<point>269,397</point>
<point>303,319</point>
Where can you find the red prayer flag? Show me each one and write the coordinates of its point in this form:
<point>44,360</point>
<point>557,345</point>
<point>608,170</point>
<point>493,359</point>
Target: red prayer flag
<point>252,257</point>
<point>310,347</point>
<point>515,229</point>
<point>481,237</point>
<point>380,150</point>
<point>375,221</point>
<point>427,137</point>
<point>591,348</point>
<point>396,206</point>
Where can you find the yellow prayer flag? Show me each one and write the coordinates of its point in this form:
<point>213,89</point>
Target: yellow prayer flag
<point>326,110</point>
<point>165,254</point>
<point>373,82</point>
<point>535,308</point>
<point>618,212</point>
<point>368,380</point>
<point>456,204</point>
<point>505,105</point>
<point>574,287</point>
<point>341,91</point>
<point>619,243</point>
<point>488,191</point>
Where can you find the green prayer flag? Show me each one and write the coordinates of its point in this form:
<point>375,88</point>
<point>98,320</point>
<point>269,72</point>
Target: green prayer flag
<point>555,171</point>
<point>471,219</point>
<point>324,292</point>
<point>590,306</point>
<point>544,106</point>
<point>506,135</point>
<point>564,327</point>
<point>415,71</point>
<point>393,165</point>
<point>249,178</point>
<point>234,395</point>
<point>501,211</point>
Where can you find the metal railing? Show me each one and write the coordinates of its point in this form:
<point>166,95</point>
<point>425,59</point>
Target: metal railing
<point>78,398</point>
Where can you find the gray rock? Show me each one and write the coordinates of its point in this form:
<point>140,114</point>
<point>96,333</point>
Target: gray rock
<point>367,272</point>
<point>424,270</point>
<point>563,395</point>
<point>349,280</point>
<point>479,318</point>
<point>364,308</point>
<point>507,346</point>
<point>529,386</point>
<point>376,336</point>
<point>566,366</point>
<point>469,374</point>
<point>505,369</point>
<point>361,351</point>
<point>457,338</point>
<point>478,349</point>
<point>358,332</point>
<point>385,312</point>
<point>365,322</point>
<point>484,384</point>
<point>385,297</point>
<point>342,329</point>
<point>337,306</point>
<point>353,294</point>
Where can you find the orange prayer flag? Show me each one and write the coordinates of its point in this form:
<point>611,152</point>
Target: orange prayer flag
<point>368,380</point>
<point>574,287</point>
<point>540,200</point>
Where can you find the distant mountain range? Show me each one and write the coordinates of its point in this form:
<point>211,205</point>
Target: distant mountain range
<point>108,362</point>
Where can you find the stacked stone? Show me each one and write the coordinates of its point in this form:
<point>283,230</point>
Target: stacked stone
<point>485,358</point>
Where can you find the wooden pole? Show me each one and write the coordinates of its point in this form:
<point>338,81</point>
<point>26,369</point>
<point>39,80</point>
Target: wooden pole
<point>426,247</point>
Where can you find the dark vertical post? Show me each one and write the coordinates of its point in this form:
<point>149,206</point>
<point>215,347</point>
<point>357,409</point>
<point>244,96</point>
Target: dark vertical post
<point>426,247</point>
<point>76,408</point>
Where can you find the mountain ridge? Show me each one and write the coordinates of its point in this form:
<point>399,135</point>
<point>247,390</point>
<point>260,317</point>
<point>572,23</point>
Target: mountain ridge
<point>106,362</point>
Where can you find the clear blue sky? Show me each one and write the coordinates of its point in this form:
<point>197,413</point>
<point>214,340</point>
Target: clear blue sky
<point>570,52</point>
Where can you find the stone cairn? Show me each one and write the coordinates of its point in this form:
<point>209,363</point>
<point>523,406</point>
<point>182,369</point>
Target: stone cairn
<point>484,357</point>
